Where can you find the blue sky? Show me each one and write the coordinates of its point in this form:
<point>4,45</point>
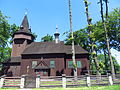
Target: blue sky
<point>44,15</point>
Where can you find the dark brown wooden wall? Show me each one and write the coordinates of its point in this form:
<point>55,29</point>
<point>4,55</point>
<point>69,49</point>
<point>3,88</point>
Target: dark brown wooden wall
<point>20,41</point>
<point>59,66</point>
<point>80,71</point>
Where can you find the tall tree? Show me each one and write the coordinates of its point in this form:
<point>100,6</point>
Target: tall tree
<point>72,37</point>
<point>6,31</point>
<point>106,36</point>
<point>102,60</point>
<point>81,36</point>
<point>93,53</point>
<point>113,23</point>
<point>4,36</point>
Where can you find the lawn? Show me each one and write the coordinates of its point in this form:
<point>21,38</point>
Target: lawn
<point>114,87</point>
<point>8,88</point>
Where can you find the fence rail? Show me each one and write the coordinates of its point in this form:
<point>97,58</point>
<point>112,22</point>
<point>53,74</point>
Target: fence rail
<point>58,81</point>
<point>51,81</point>
<point>11,82</point>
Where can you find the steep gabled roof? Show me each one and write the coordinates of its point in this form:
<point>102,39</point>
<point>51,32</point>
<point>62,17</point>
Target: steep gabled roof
<point>52,47</point>
<point>42,65</point>
<point>24,28</point>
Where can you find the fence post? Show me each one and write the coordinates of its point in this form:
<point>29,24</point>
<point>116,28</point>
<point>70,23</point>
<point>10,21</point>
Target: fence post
<point>22,84</point>
<point>110,79</point>
<point>1,82</point>
<point>38,81</point>
<point>88,80</point>
<point>63,80</point>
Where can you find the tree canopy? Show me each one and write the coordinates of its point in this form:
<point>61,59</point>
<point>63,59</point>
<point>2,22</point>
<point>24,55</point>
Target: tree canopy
<point>81,37</point>
<point>6,31</point>
<point>47,38</point>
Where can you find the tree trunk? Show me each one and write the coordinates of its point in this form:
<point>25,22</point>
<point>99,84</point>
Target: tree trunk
<point>106,61</point>
<point>107,38</point>
<point>92,42</point>
<point>73,48</point>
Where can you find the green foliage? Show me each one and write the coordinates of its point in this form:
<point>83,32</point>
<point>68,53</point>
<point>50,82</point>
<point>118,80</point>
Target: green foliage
<point>98,35</point>
<point>6,31</point>
<point>81,37</point>
<point>113,25</point>
<point>4,36</point>
<point>47,38</point>
<point>90,19</point>
<point>34,35</point>
<point>13,29</point>
<point>75,65</point>
<point>86,1</point>
<point>103,63</point>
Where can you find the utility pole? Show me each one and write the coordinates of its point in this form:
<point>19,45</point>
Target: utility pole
<point>73,47</point>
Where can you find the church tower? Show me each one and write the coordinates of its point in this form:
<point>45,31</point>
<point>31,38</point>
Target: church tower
<point>22,38</point>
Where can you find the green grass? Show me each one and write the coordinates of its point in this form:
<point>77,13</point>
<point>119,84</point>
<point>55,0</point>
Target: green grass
<point>114,87</point>
<point>8,88</point>
<point>51,83</point>
<point>60,82</point>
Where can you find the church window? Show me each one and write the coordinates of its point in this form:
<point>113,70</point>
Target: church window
<point>70,64</point>
<point>44,72</point>
<point>34,64</point>
<point>79,65</point>
<point>52,64</point>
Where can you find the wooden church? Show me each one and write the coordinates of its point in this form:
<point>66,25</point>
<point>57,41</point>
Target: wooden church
<point>43,58</point>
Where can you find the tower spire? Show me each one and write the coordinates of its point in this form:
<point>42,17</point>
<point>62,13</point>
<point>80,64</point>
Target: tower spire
<point>24,28</point>
<point>25,24</point>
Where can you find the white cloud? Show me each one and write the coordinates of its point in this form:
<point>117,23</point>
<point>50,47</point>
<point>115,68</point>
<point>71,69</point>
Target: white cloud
<point>116,54</point>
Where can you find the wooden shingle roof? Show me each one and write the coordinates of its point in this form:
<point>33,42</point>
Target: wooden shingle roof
<point>13,60</point>
<point>52,47</point>
<point>24,28</point>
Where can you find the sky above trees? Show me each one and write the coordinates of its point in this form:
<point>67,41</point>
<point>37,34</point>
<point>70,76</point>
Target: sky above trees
<point>44,15</point>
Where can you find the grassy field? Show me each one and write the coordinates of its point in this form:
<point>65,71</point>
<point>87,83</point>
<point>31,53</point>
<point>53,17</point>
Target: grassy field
<point>114,87</point>
<point>8,88</point>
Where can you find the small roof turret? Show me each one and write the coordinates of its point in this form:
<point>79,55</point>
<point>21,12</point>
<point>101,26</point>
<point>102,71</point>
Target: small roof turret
<point>56,35</point>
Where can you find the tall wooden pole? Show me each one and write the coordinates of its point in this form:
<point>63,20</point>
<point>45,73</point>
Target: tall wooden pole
<point>73,47</point>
